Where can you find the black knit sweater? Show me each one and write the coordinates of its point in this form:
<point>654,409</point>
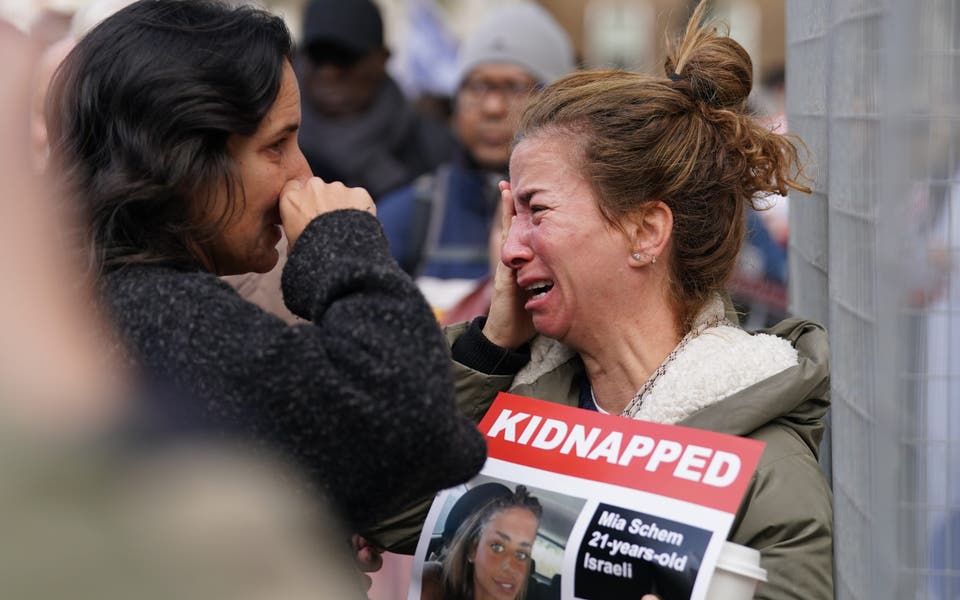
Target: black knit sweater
<point>361,397</point>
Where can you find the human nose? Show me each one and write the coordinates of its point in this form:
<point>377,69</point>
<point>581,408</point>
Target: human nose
<point>514,566</point>
<point>516,251</point>
<point>299,167</point>
<point>495,102</point>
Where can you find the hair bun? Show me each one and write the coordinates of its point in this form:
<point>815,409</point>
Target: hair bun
<point>717,70</point>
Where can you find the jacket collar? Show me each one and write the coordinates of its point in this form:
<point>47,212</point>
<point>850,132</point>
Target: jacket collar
<point>797,396</point>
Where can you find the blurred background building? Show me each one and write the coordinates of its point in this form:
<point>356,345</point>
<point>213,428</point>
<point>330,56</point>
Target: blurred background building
<point>612,33</point>
<point>873,87</point>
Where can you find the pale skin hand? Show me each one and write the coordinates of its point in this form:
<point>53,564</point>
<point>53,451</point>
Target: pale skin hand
<point>303,201</point>
<point>508,324</point>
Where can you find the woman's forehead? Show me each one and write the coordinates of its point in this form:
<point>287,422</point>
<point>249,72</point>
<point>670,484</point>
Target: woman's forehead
<point>515,516</point>
<point>285,112</point>
<point>547,149</point>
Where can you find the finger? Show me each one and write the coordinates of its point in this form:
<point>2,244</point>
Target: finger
<point>290,198</point>
<point>362,200</point>
<point>319,186</point>
<point>367,555</point>
<point>293,185</point>
<point>506,190</point>
<point>369,560</point>
<point>507,210</point>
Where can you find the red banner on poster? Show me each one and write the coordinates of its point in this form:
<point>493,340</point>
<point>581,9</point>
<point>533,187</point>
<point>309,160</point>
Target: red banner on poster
<point>702,467</point>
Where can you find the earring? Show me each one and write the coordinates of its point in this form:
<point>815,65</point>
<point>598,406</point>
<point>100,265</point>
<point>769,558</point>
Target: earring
<point>653,260</point>
<point>637,256</point>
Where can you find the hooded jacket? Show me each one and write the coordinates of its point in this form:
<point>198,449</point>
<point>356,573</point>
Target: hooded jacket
<point>787,511</point>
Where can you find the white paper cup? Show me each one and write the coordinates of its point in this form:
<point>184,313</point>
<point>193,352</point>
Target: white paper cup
<point>738,573</point>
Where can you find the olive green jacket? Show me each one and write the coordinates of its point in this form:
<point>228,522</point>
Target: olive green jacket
<point>787,512</point>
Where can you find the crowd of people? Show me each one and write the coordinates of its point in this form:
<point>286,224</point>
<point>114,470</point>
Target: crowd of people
<point>244,248</point>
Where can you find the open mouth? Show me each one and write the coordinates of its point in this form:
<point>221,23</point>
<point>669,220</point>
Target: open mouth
<point>539,288</point>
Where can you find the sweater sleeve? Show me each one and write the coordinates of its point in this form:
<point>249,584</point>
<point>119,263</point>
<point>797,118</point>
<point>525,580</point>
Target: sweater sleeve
<point>481,369</point>
<point>367,385</point>
<point>474,358</point>
<point>361,397</point>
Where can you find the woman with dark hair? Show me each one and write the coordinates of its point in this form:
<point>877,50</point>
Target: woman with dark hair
<point>623,219</point>
<point>174,125</point>
<point>490,555</point>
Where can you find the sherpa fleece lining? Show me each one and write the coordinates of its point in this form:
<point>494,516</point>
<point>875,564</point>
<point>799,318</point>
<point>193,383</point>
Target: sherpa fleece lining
<point>717,364</point>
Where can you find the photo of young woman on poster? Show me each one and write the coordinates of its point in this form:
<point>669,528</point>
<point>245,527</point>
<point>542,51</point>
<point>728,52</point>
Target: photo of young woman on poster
<point>490,554</point>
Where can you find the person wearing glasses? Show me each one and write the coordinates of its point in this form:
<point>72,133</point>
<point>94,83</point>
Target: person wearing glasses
<point>438,227</point>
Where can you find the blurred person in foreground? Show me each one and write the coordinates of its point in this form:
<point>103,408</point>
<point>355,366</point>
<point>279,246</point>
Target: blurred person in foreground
<point>623,218</point>
<point>85,513</point>
<point>48,376</point>
<point>358,127</point>
<point>82,21</point>
<point>174,126</point>
<point>438,226</point>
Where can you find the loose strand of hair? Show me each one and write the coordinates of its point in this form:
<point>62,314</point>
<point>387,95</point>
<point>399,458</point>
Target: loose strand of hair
<point>695,31</point>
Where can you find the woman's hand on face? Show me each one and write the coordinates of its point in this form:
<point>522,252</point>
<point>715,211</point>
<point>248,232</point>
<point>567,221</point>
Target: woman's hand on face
<point>303,201</point>
<point>508,324</point>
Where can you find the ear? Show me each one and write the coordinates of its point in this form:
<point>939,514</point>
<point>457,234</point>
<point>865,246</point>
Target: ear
<point>650,231</point>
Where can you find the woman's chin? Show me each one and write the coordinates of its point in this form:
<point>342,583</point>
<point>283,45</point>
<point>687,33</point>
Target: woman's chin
<point>548,327</point>
<point>269,262</point>
<point>264,262</point>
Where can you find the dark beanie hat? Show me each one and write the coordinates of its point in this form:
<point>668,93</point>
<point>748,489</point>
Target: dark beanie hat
<point>354,25</point>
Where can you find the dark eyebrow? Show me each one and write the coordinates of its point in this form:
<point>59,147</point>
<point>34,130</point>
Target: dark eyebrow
<point>507,538</point>
<point>291,128</point>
